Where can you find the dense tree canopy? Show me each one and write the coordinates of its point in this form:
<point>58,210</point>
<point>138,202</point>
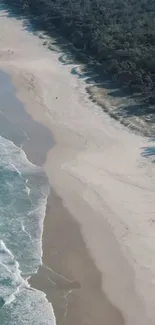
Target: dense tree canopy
<point>120,34</point>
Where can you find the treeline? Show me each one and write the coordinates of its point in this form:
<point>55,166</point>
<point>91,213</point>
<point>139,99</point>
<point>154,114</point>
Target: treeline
<point>120,34</point>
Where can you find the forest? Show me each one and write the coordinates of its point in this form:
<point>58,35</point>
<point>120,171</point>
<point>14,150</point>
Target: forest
<point>119,34</point>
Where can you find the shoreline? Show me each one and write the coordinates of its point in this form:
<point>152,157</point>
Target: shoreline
<point>77,286</point>
<point>63,280</point>
<point>85,171</point>
<point>68,275</point>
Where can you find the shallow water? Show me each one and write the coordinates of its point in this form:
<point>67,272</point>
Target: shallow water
<point>17,125</point>
<point>23,193</point>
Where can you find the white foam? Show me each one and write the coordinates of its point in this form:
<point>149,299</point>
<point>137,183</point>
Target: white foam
<point>31,307</point>
<point>27,189</point>
<point>19,298</point>
<point>12,297</point>
<point>12,273</point>
<point>14,157</point>
<point>16,169</point>
<point>4,249</point>
<point>24,230</point>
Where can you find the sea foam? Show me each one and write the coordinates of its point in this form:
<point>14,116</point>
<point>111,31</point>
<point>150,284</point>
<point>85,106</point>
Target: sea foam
<point>23,195</point>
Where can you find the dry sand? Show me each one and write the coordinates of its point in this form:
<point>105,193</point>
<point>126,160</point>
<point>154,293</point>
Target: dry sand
<point>103,240</point>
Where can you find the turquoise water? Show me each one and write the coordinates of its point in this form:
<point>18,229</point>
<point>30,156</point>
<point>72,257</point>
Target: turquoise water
<point>23,193</point>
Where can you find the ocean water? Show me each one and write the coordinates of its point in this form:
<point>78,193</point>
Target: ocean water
<point>23,194</point>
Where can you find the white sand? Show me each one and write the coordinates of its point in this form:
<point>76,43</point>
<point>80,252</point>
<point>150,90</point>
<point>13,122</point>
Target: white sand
<point>96,167</point>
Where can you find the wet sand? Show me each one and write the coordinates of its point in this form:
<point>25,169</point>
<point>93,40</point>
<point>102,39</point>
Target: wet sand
<point>68,274</point>
<point>17,125</point>
<point>102,198</point>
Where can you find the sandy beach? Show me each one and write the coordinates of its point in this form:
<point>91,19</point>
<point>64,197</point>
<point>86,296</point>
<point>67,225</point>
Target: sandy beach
<point>69,275</point>
<point>98,241</point>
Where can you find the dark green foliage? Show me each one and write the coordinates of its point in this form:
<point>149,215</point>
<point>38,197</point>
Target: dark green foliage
<point>120,34</point>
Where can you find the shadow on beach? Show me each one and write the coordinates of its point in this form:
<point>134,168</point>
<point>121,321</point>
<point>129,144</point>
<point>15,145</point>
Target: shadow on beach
<point>149,151</point>
<point>99,85</point>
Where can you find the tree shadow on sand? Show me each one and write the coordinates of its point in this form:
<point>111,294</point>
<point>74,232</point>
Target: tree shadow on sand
<point>82,65</point>
<point>149,151</point>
